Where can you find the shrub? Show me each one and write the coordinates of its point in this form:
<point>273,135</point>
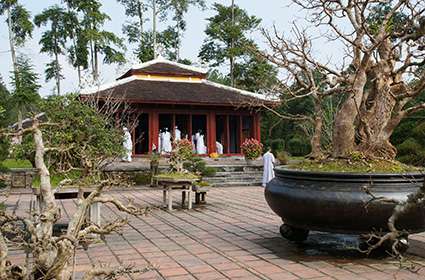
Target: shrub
<point>411,152</point>
<point>282,157</point>
<point>142,178</point>
<point>251,148</point>
<point>298,146</point>
<point>198,166</point>
<point>277,145</point>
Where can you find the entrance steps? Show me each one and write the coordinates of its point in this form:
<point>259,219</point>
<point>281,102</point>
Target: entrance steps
<point>230,171</point>
<point>236,175</point>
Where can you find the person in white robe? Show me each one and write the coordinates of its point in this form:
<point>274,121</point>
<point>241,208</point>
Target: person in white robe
<point>219,148</point>
<point>128,145</point>
<point>201,149</point>
<point>178,134</point>
<point>160,142</point>
<point>268,167</point>
<point>166,141</point>
<point>193,144</point>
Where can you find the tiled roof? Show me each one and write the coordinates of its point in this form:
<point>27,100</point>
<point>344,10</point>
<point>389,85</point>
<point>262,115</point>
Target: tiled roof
<point>182,92</point>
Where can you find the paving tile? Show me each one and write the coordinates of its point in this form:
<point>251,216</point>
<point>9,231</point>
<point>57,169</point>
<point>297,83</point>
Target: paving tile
<point>234,236</point>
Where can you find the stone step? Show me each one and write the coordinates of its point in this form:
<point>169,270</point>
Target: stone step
<point>235,178</point>
<point>233,168</point>
<point>229,179</point>
<point>233,184</point>
<point>236,173</point>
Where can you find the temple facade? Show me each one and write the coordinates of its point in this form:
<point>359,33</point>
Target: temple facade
<point>177,101</point>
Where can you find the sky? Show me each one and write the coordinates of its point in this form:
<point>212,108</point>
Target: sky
<point>278,12</point>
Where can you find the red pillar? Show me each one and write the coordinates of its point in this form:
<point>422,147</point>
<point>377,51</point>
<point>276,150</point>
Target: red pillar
<point>153,130</point>
<point>257,126</point>
<point>211,130</point>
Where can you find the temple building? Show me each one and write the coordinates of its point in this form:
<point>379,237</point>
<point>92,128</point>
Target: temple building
<point>178,99</point>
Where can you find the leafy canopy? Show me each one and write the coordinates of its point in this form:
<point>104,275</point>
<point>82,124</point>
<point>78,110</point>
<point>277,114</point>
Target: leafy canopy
<point>21,24</point>
<point>53,40</point>
<point>80,137</point>
<point>25,95</point>
<point>220,32</point>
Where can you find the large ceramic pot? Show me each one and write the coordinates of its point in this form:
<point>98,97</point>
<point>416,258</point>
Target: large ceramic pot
<point>337,202</point>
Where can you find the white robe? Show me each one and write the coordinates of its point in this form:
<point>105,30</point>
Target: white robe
<point>166,142</point>
<point>200,144</point>
<point>268,165</point>
<point>178,134</point>
<point>128,146</point>
<point>160,142</point>
<point>193,144</point>
<point>219,148</point>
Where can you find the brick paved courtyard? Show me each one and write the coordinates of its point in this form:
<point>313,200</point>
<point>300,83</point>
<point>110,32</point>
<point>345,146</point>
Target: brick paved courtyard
<point>234,236</point>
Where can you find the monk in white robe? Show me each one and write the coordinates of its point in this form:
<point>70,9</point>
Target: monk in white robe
<point>268,167</point>
<point>128,145</point>
<point>160,142</point>
<point>166,142</point>
<point>201,149</point>
<point>178,134</point>
<point>219,148</point>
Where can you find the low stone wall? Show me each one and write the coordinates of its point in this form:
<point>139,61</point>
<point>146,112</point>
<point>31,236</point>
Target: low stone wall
<point>19,177</point>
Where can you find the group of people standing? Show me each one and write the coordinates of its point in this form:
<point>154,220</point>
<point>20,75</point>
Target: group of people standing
<point>165,141</point>
<point>164,146</point>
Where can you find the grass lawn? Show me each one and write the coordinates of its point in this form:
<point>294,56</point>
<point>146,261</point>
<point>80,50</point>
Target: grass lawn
<point>57,178</point>
<point>54,179</point>
<point>16,163</point>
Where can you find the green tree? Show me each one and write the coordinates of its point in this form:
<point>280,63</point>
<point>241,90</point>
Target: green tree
<point>92,36</point>
<point>24,97</point>
<point>159,10</point>
<point>77,52</point>
<point>19,26</point>
<point>227,36</point>
<point>85,138</point>
<point>53,40</point>
<point>179,9</point>
<point>4,104</point>
<point>167,38</point>
<point>255,74</point>
<point>134,29</point>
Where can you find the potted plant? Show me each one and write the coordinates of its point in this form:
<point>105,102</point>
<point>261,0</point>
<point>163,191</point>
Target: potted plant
<point>251,149</point>
<point>351,181</point>
<point>181,153</point>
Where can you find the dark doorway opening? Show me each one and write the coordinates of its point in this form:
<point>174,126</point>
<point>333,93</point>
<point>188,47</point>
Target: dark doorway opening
<point>199,124</point>
<point>166,122</point>
<point>142,135</point>
<point>183,124</point>
<point>221,132</point>
<point>234,135</point>
<point>247,127</point>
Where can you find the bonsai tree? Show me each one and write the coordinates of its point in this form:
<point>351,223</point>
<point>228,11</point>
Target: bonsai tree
<point>379,72</point>
<point>182,151</point>
<point>75,137</point>
<point>376,75</point>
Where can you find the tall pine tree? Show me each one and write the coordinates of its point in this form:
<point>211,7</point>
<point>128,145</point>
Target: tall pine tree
<point>227,36</point>
<point>24,97</point>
